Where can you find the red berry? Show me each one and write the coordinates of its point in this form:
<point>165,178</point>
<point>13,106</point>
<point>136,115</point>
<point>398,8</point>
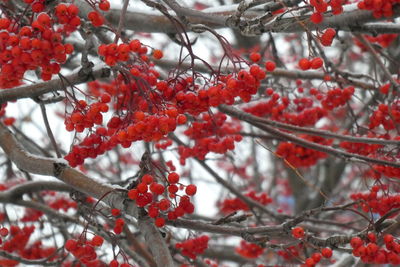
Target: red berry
<point>326,252</point>
<point>97,241</point>
<point>104,5</point>
<point>191,190</point>
<point>173,178</point>
<point>304,64</point>
<point>298,232</point>
<point>159,222</point>
<point>316,63</point>
<point>157,54</point>
<point>316,18</point>
<point>147,179</point>
<point>255,57</point>
<point>356,242</point>
<point>270,66</point>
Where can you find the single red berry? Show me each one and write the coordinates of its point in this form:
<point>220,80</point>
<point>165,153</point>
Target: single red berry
<point>388,238</point>
<point>326,252</point>
<point>157,54</point>
<point>317,63</point>
<point>159,222</point>
<point>104,5</point>
<point>115,212</point>
<point>317,18</point>
<point>173,178</point>
<point>181,119</point>
<point>316,257</point>
<point>255,57</point>
<point>304,64</point>
<point>97,241</point>
<point>113,263</point>
<point>298,232</point>
<point>191,190</point>
<point>3,231</point>
<point>356,242</point>
<point>147,179</point>
<point>270,66</point>
<point>133,194</point>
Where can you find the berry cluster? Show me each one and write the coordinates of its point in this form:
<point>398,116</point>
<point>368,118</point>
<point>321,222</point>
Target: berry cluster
<point>388,171</point>
<point>317,257</point>
<point>299,156</point>
<point>85,250</point>
<point>67,16</point>
<point>379,8</point>
<point>327,37</point>
<point>362,148</point>
<point>148,190</point>
<point>384,40</point>
<point>37,46</point>
<point>337,97</point>
<point>290,252</point>
<point>376,202</point>
<point>386,115</point>
<point>370,252</point>
<point>17,242</point>
<point>194,246</point>
<point>249,250</point>
<point>315,63</point>
<point>148,109</point>
<point>320,6</point>
<point>278,108</point>
<point>213,134</point>
<point>113,53</point>
<point>230,205</point>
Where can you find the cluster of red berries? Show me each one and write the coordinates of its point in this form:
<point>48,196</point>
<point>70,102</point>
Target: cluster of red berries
<point>315,63</point>
<point>317,257</point>
<point>376,202</point>
<point>320,6</point>
<point>230,205</point>
<point>384,40</point>
<point>370,252</point>
<point>85,250</point>
<point>31,215</point>
<point>291,252</point>
<point>389,171</point>
<point>86,116</point>
<point>299,156</point>
<point>67,16</point>
<point>62,203</point>
<point>363,148</point>
<point>32,47</point>
<point>249,250</point>
<point>113,53</point>
<point>18,238</point>
<point>37,251</point>
<point>278,108</point>
<point>337,97</point>
<point>193,246</point>
<point>327,37</point>
<point>386,115</point>
<point>212,134</point>
<point>379,8</point>
<point>149,109</point>
<point>147,192</point>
